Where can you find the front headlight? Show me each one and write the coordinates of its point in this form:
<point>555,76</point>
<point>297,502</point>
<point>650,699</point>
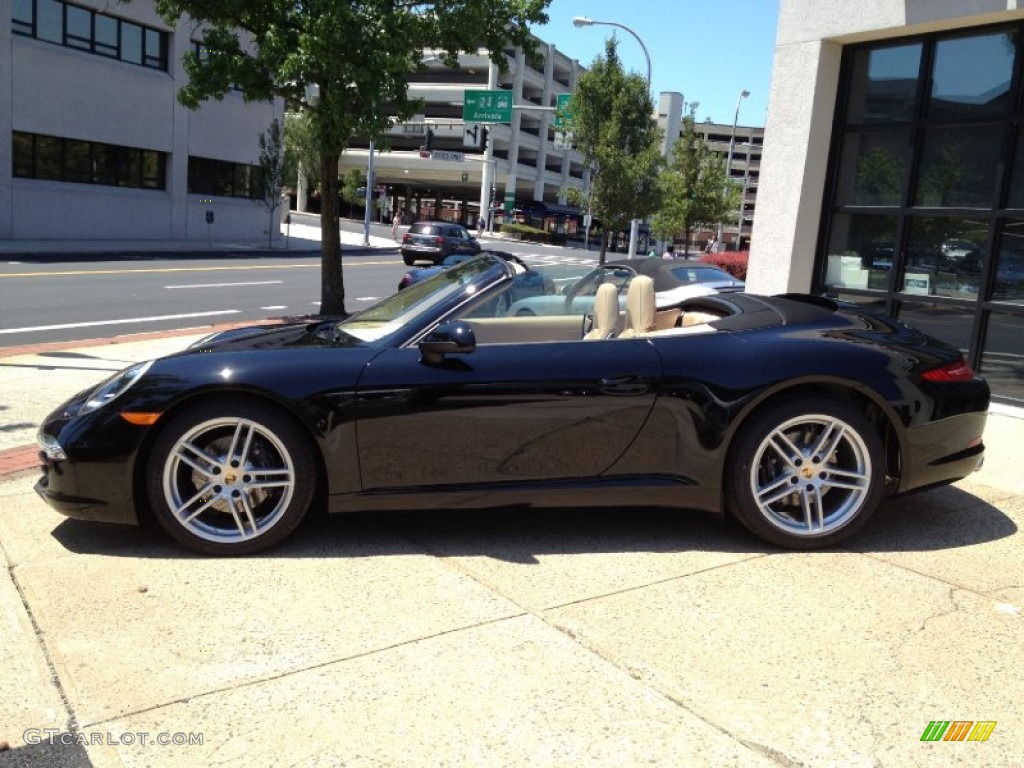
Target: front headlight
<point>115,386</point>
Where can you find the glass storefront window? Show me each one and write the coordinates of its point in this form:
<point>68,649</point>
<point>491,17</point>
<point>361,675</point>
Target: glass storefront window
<point>1009,279</point>
<point>1015,197</point>
<point>946,323</point>
<point>861,252</point>
<point>945,256</point>
<point>883,84</point>
<point>958,167</point>
<point>1001,361</point>
<point>872,167</point>
<point>971,76</point>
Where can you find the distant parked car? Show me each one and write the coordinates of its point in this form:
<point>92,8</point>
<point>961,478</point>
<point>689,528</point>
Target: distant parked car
<point>433,240</point>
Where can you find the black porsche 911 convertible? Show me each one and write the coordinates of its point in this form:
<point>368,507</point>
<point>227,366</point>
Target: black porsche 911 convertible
<point>794,413</point>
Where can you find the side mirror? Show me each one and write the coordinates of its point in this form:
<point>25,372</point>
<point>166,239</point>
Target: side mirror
<point>452,338</point>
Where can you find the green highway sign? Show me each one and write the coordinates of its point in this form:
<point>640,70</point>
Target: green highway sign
<point>561,110</point>
<point>487,107</point>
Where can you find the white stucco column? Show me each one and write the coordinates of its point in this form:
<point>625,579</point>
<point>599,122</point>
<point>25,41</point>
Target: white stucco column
<point>805,78</point>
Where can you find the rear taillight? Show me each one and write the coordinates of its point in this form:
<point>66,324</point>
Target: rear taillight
<point>439,240</point>
<point>405,238</point>
<point>958,370</point>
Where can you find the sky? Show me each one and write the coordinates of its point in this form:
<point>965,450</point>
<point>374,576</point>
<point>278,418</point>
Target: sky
<point>708,50</point>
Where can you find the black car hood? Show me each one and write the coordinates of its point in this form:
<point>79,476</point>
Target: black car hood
<point>278,336</point>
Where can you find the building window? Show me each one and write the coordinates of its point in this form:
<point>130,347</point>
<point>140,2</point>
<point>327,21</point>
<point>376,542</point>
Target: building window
<point>87,30</point>
<point>87,162</point>
<point>222,178</point>
<point>924,211</point>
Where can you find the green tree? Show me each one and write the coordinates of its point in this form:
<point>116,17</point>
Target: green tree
<point>354,56</point>
<point>300,150</point>
<point>271,172</point>
<point>609,117</point>
<point>693,187</point>
<point>353,187</point>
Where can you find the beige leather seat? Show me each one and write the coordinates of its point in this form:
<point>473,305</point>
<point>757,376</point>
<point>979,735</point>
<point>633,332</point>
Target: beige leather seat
<point>641,309</point>
<point>606,313</point>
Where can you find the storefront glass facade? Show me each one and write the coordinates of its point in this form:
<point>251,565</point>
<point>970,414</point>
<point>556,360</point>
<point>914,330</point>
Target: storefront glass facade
<point>924,209</point>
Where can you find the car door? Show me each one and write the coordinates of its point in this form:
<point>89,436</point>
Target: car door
<point>502,413</point>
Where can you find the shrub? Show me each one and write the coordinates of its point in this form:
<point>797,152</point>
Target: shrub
<point>733,262</point>
<point>532,234</point>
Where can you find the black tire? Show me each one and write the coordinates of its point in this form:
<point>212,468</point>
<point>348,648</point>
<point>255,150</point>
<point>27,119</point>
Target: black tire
<point>806,473</point>
<point>525,312</point>
<point>238,504</point>
<point>409,260</point>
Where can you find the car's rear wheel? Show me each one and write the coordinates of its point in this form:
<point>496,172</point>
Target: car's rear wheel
<point>806,473</point>
<point>409,260</point>
<point>230,478</point>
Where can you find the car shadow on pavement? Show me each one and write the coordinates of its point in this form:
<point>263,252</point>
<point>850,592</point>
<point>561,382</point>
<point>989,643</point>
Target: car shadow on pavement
<point>945,518</point>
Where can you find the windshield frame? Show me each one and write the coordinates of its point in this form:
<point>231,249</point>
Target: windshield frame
<point>407,314</point>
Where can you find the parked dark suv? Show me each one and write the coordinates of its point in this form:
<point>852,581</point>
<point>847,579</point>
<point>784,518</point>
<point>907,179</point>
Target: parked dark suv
<point>433,240</point>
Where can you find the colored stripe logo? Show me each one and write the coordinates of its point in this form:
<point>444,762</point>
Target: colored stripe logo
<point>958,730</point>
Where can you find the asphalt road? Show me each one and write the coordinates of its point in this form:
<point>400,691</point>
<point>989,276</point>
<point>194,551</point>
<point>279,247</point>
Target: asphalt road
<point>58,298</point>
<point>67,301</point>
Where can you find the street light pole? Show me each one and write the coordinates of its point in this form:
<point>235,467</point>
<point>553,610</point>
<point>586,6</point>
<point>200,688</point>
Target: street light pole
<point>369,197</point>
<point>728,160</point>
<point>586,21</point>
<point>487,173</point>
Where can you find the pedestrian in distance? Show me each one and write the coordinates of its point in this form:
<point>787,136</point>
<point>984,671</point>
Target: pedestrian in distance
<point>394,226</point>
<point>711,246</point>
<point>670,251</point>
<point>480,224</point>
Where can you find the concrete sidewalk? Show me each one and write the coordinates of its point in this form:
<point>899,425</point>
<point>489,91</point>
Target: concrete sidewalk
<point>527,637</point>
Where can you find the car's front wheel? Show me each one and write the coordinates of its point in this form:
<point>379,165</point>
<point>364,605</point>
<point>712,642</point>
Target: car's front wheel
<point>806,473</point>
<point>230,477</point>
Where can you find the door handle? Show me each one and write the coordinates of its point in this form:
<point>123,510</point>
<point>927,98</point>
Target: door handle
<point>624,385</point>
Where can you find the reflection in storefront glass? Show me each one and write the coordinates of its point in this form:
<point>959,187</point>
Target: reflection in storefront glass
<point>949,324</point>
<point>958,167</point>
<point>1001,361</point>
<point>1009,279</point>
<point>945,256</point>
<point>861,251</point>
<point>883,84</point>
<point>971,76</point>
<point>872,167</point>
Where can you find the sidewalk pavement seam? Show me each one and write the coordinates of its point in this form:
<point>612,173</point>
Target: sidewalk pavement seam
<point>40,637</point>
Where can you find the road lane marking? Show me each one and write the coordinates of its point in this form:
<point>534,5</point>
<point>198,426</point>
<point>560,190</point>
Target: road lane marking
<point>276,306</point>
<point>247,267</point>
<point>64,326</point>
<point>224,285</point>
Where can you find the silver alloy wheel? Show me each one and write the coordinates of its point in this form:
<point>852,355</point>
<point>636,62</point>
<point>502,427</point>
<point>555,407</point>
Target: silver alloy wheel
<point>811,475</point>
<point>228,480</point>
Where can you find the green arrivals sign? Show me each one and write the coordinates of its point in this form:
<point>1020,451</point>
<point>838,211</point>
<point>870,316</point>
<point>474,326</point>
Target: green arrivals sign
<point>562,112</point>
<point>487,107</point>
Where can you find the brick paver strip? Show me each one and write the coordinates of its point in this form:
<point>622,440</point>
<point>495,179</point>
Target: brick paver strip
<point>16,460</point>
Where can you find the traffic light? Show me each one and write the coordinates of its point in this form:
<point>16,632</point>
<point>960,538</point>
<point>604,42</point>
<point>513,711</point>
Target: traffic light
<point>485,135</point>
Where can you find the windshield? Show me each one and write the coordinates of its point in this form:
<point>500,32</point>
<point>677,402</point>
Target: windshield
<point>403,308</point>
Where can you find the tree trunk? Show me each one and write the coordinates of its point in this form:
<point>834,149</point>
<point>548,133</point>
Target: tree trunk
<point>332,281</point>
<point>604,245</point>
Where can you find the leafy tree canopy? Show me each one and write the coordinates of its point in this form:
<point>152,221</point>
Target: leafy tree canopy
<point>610,118</point>
<point>347,63</point>
<point>693,186</point>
